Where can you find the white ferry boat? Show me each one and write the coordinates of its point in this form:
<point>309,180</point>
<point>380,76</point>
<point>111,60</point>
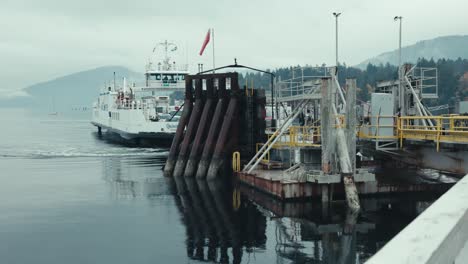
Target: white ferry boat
<point>144,112</point>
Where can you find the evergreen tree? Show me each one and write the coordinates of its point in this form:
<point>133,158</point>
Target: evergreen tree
<point>452,77</point>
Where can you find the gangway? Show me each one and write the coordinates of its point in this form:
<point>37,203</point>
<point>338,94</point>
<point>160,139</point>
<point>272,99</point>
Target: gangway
<point>303,86</point>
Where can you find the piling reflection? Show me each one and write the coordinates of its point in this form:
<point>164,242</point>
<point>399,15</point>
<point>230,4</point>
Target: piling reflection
<point>217,229</point>
<point>301,240</point>
<point>226,223</point>
<point>223,228</point>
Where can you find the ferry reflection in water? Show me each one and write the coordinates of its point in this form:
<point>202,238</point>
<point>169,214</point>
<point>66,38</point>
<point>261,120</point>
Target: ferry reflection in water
<point>240,225</point>
<point>129,177</point>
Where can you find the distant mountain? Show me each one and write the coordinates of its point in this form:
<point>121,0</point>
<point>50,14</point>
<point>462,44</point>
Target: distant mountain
<point>448,47</point>
<point>71,91</point>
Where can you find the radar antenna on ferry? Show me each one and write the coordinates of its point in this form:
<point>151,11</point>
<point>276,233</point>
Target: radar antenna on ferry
<point>167,47</point>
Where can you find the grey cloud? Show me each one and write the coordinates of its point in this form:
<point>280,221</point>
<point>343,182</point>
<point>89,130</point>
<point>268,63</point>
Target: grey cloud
<point>45,39</point>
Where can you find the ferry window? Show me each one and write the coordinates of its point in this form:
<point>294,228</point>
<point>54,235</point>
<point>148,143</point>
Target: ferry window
<point>159,109</point>
<point>154,77</point>
<point>169,78</point>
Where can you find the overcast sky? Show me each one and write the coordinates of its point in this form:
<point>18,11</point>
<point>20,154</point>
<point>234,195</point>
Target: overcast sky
<point>45,39</point>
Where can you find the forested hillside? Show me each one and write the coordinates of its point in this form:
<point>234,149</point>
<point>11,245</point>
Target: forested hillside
<point>80,89</point>
<point>452,77</point>
<point>448,47</point>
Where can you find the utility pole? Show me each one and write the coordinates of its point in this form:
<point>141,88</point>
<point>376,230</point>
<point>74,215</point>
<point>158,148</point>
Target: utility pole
<point>400,87</point>
<point>336,35</point>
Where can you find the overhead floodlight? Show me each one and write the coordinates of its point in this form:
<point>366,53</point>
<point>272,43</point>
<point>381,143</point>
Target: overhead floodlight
<point>336,14</point>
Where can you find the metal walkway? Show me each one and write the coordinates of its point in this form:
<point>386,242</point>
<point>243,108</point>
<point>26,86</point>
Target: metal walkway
<point>446,129</point>
<point>452,129</point>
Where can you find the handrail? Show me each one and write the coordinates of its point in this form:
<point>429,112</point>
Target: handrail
<point>298,136</point>
<point>236,161</point>
<point>444,129</point>
<point>267,156</point>
<point>272,140</point>
<point>275,136</point>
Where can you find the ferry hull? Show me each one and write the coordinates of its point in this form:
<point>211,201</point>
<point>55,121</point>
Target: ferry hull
<point>160,139</point>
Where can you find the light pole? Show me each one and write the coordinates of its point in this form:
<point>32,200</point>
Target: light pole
<point>400,89</point>
<point>336,35</point>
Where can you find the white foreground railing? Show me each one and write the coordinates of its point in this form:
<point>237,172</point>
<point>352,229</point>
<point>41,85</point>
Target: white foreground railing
<point>438,235</point>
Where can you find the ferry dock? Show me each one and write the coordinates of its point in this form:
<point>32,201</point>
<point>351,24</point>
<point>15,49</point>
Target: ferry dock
<point>319,143</point>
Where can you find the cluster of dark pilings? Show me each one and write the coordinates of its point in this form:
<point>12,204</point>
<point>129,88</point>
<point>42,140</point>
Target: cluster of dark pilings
<point>218,118</point>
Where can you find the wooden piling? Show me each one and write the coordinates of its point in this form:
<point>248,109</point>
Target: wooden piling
<point>183,121</point>
<point>190,132</point>
<point>213,131</point>
<point>202,131</point>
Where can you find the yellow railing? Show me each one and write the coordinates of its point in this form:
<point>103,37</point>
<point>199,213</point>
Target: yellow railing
<point>451,128</point>
<point>300,136</point>
<point>267,156</point>
<point>236,199</point>
<point>369,131</point>
<point>236,161</point>
<point>297,136</point>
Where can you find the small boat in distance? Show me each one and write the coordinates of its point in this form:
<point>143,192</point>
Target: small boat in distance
<point>53,112</point>
<point>149,112</point>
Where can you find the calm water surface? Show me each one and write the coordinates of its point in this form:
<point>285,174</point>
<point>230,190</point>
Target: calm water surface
<point>69,196</point>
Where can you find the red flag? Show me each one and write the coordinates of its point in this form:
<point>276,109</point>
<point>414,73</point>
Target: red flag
<point>205,42</point>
